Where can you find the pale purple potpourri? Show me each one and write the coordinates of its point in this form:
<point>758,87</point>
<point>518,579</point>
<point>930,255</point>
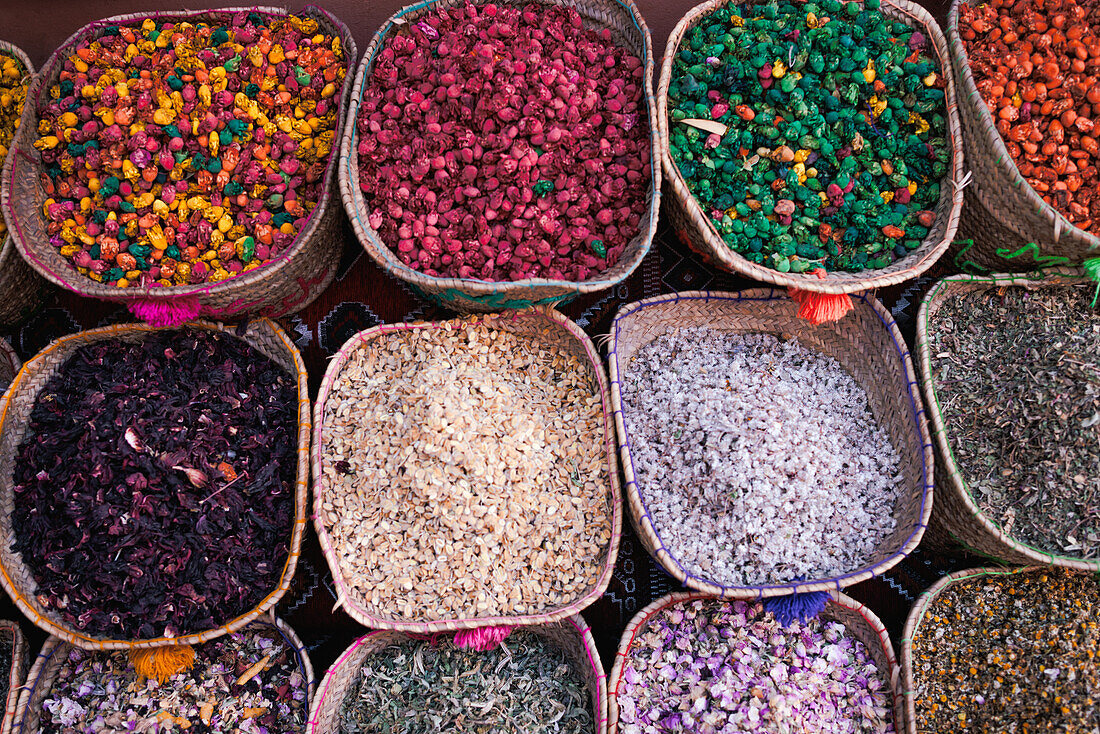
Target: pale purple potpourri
<point>715,667</point>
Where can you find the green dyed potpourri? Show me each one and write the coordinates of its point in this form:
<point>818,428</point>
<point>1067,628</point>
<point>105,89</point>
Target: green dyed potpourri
<point>1014,652</point>
<point>835,142</point>
<point>420,687</point>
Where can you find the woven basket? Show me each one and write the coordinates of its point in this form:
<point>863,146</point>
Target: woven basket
<point>570,634</point>
<point>9,363</point>
<point>469,294</point>
<point>860,622</point>
<point>1013,229</point>
<point>867,344</point>
<point>16,675</point>
<point>43,673</point>
<point>956,512</point>
<point>18,402</point>
<point>286,284</point>
<point>695,228</point>
<point>540,323</point>
<point>21,289</point>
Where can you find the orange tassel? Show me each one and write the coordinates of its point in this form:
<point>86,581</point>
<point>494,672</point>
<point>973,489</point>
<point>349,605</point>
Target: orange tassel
<point>817,308</point>
<point>162,663</point>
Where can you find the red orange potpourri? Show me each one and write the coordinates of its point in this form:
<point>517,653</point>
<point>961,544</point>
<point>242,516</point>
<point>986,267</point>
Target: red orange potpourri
<point>188,152</point>
<point>1036,64</point>
<point>504,143</point>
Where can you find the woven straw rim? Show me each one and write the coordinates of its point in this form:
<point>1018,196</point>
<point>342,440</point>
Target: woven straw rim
<point>16,674</point>
<point>8,249</point>
<point>835,282</point>
<point>356,207</point>
<point>301,492</point>
<point>55,644</point>
<point>1059,225</point>
<point>10,364</point>
<point>575,620</point>
<point>345,596</point>
<point>912,625</point>
<point>644,523</point>
<point>837,599</point>
<point>71,279</point>
<point>954,479</point>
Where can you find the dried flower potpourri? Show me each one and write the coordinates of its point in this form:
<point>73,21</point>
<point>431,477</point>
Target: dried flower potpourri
<point>1010,652</point>
<point>758,459</point>
<point>249,682</point>
<point>154,487</point>
<point>504,143</point>
<point>1017,380</point>
<point>421,687</point>
<point>710,666</point>
<point>1037,68</point>
<point>465,474</point>
<point>188,152</point>
<point>13,93</point>
<point>835,122</point>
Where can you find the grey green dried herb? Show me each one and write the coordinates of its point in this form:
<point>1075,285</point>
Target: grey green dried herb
<point>525,685</point>
<point>1017,378</point>
<point>248,682</point>
<point>1012,652</point>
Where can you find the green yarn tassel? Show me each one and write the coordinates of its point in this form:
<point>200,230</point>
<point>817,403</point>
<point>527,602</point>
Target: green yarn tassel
<point>1092,270</point>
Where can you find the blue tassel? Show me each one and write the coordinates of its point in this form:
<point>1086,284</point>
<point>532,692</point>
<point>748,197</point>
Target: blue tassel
<point>802,607</point>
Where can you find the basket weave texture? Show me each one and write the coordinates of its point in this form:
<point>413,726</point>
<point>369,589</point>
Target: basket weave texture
<point>17,674</point>
<point>867,344</point>
<point>543,324</point>
<point>21,289</point>
<point>1011,226</point>
<point>570,634</point>
<point>9,363</point>
<point>286,284</point>
<point>695,228</point>
<point>17,579</point>
<point>628,30</point>
<point>956,512</point>
<point>861,623</point>
<point>48,664</point>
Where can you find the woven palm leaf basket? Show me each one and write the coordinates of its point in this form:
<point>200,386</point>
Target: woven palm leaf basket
<point>9,363</point>
<point>1007,224</point>
<point>696,229</point>
<point>16,674</point>
<point>628,30</point>
<point>866,343</point>
<point>15,576</point>
<point>570,634</point>
<point>860,622</point>
<point>285,284</point>
<point>47,666</point>
<point>21,289</point>
<point>545,326</point>
<point>957,514</point>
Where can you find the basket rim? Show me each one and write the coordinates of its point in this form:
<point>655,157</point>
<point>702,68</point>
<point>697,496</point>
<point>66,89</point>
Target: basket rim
<point>837,598</point>
<point>53,644</point>
<point>837,281</point>
<point>577,621</point>
<point>647,528</point>
<point>72,280</point>
<point>355,205</point>
<point>916,614</point>
<point>940,291</point>
<point>297,530</point>
<point>345,597</point>
<point>8,249</point>
<point>1058,222</point>
<point>16,673</point>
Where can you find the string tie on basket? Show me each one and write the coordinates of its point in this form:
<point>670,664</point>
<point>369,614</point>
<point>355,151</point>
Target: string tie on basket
<point>482,638</point>
<point>817,308</point>
<point>162,663</point>
<point>1092,270</point>
<point>963,182</point>
<point>166,312</point>
<point>802,607</point>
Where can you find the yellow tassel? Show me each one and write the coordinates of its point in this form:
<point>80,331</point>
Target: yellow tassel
<point>162,663</point>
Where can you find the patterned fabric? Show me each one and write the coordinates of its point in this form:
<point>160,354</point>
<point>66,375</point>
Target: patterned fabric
<point>362,296</point>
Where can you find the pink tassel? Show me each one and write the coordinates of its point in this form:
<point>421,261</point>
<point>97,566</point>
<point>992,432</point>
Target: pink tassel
<point>167,313</point>
<point>817,308</point>
<point>482,638</point>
